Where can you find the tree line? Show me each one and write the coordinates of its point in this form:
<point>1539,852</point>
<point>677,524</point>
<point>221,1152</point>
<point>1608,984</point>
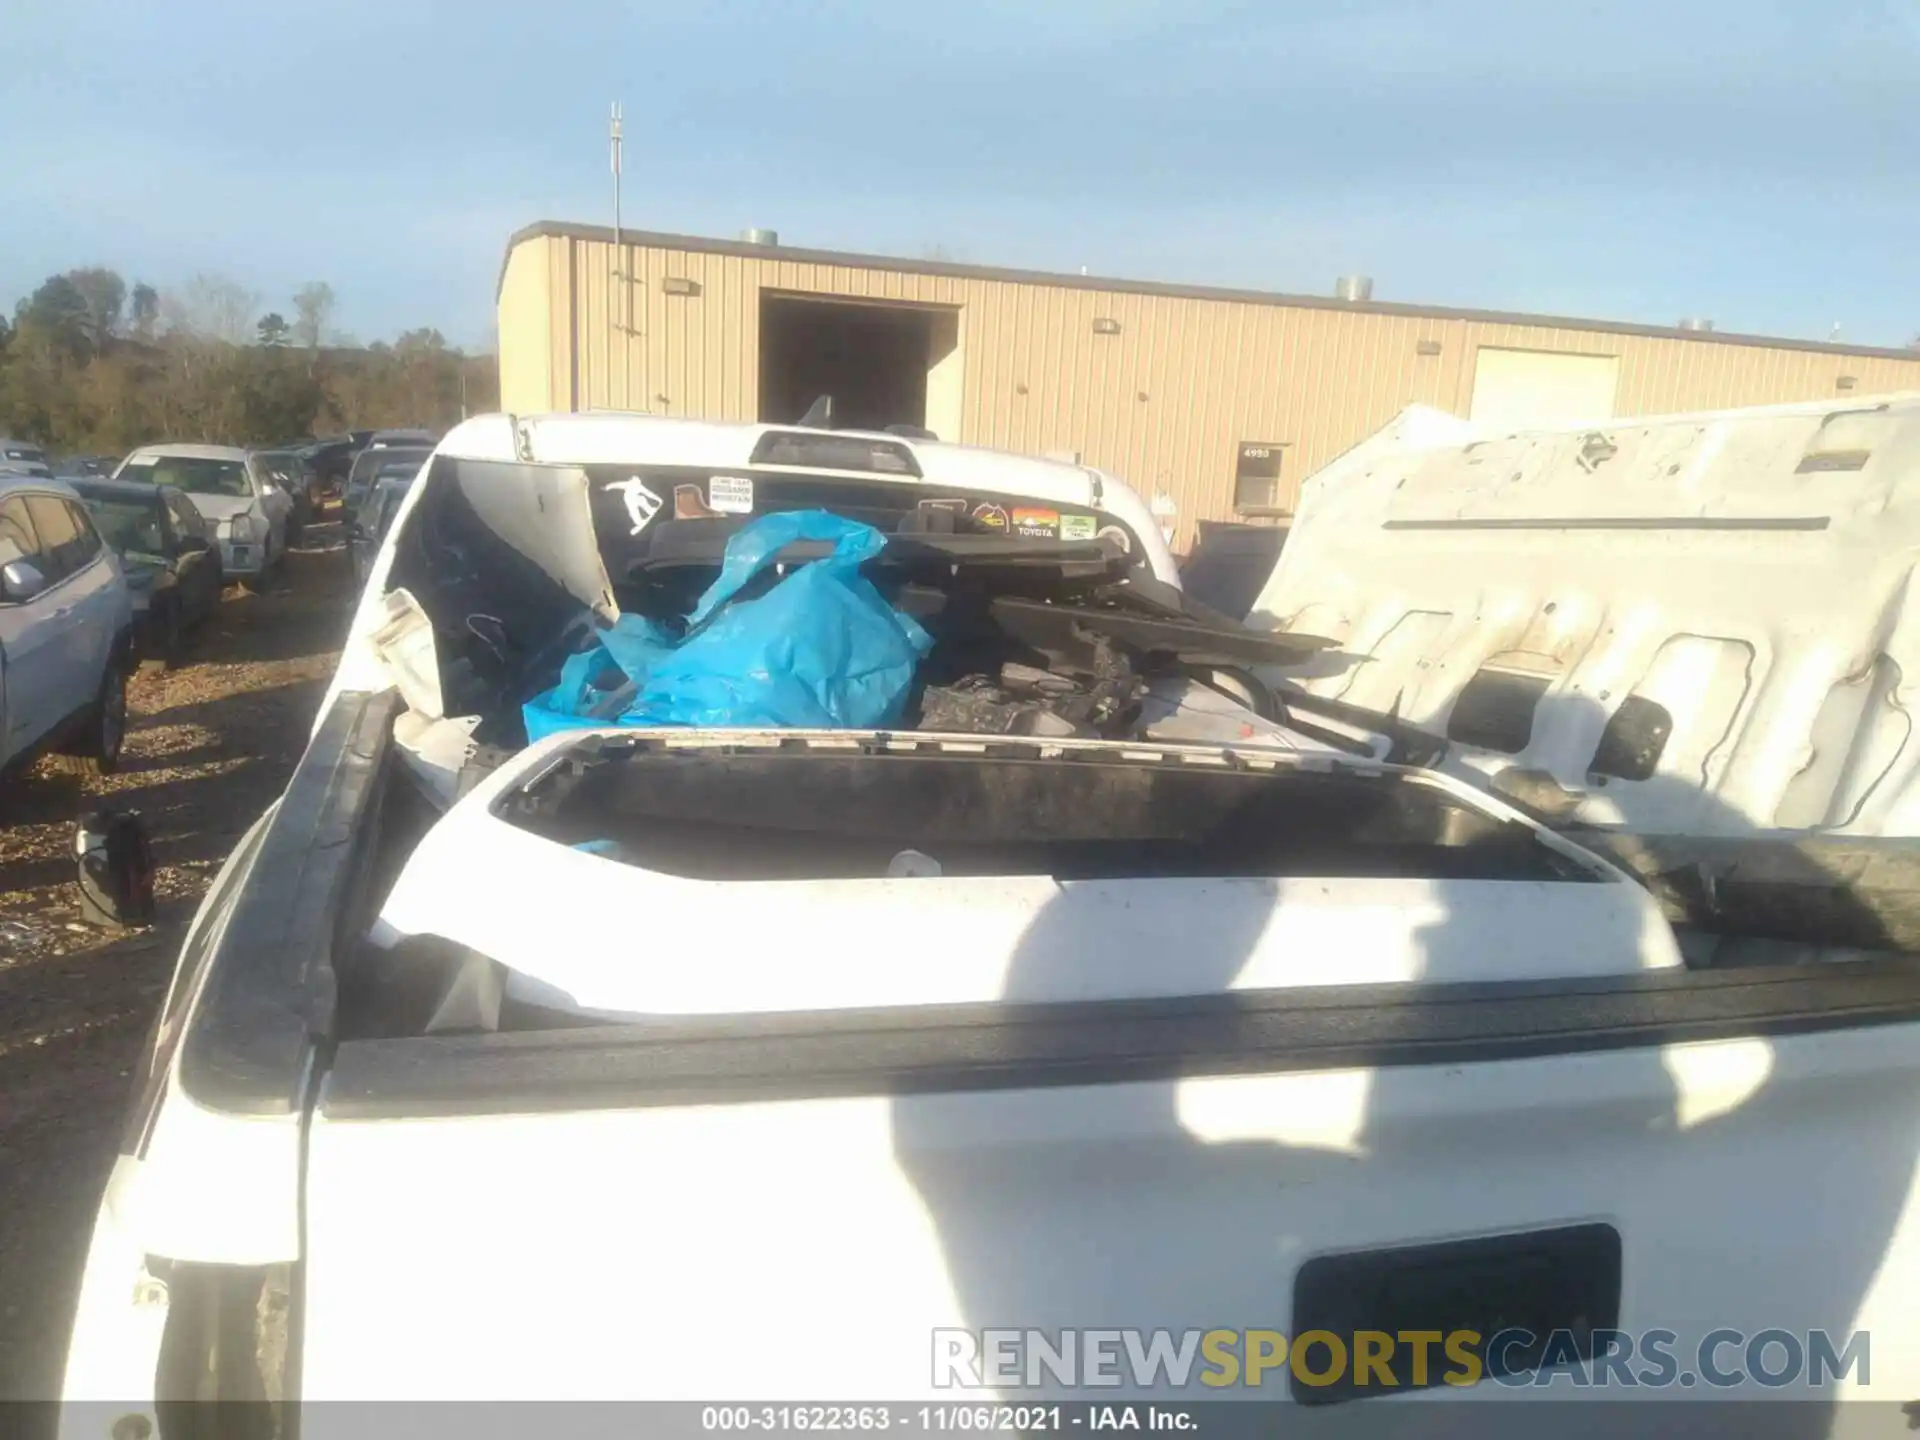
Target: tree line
<point>89,365</point>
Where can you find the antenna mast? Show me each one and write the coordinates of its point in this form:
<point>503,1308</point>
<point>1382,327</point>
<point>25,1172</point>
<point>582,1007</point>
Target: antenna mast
<point>621,320</point>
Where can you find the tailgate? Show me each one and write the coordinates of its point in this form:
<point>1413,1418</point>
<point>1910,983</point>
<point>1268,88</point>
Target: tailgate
<point>797,1207</point>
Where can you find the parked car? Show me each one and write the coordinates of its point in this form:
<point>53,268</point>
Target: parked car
<point>288,472</point>
<point>370,524</point>
<point>329,461</point>
<point>312,484</point>
<point>80,466</point>
<point>374,462</point>
<point>168,554</point>
<point>24,457</point>
<point>416,438</point>
<point>66,631</point>
<point>234,494</point>
<point>332,459</point>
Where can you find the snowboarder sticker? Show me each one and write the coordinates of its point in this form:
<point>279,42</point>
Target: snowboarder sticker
<point>642,503</point>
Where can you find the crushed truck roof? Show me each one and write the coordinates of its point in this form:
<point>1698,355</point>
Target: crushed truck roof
<point>1701,624</point>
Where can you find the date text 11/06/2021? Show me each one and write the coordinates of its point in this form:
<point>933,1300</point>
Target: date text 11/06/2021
<point>1016,1419</point>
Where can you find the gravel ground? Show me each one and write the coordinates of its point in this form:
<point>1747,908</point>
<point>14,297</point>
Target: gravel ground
<point>209,746</point>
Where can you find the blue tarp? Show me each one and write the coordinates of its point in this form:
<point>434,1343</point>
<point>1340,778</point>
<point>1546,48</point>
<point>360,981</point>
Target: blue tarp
<point>821,650</point>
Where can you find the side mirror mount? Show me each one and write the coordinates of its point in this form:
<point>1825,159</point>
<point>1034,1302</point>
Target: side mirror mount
<point>21,580</point>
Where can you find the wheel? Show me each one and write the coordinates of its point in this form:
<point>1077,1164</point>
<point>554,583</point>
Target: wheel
<point>97,750</point>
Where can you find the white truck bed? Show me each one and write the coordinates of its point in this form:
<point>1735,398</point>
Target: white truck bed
<point>623,939</point>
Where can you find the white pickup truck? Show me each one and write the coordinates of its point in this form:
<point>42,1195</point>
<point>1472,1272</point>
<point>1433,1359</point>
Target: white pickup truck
<point>868,1077</point>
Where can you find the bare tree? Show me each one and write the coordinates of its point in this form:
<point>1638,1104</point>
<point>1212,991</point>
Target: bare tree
<point>105,294</point>
<point>312,308</point>
<point>211,307</point>
<point>145,310</point>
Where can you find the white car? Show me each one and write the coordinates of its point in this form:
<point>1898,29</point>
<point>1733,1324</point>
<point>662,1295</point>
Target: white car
<point>66,627</point>
<point>23,456</point>
<point>232,490</point>
<point>1076,998</point>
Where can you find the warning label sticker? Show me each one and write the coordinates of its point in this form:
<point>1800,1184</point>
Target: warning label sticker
<point>1077,527</point>
<point>1036,524</point>
<point>731,494</point>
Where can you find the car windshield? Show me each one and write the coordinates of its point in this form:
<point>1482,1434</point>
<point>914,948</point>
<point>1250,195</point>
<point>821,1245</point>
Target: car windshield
<point>130,526</point>
<point>195,474</point>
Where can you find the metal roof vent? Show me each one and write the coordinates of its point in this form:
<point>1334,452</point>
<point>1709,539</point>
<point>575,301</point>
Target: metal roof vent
<point>1353,287</point>
<point>1696,322</point>
<point>760,237</point>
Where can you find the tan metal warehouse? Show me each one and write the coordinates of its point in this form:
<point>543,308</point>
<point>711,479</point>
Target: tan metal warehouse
<point>1216,402</point>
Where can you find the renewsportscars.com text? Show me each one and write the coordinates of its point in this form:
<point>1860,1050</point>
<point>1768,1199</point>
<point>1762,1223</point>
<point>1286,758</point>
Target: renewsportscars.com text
<point>1003,1360</point>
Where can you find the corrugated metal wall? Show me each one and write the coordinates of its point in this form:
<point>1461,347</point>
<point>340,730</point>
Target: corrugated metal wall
<point>526,310</point>
<point>1164,404</point>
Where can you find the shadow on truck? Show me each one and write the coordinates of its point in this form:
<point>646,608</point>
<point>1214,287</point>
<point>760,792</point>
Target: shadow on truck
<point>1565,1159</point>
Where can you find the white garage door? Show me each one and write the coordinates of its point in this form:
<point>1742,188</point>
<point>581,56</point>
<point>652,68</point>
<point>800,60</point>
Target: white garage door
<point>1542,387</point>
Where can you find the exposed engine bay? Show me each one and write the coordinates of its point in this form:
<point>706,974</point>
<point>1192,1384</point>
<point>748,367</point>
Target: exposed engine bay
<point>1044,621</point>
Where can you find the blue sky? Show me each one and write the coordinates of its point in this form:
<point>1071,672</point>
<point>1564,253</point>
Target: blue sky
<point>1754,162</point>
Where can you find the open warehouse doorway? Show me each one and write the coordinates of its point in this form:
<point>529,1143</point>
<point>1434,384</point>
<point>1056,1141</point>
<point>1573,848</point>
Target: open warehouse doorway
<point>882,364</point>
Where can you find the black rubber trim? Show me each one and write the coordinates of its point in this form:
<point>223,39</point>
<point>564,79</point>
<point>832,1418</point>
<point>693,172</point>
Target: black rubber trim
<point>270,990</point>
<point>1057,629</point>
<point>989,1047</point>
<point>678,543</point>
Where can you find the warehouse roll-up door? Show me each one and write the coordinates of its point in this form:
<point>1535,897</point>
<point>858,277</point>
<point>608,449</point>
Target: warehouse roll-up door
<point>1541,387</point>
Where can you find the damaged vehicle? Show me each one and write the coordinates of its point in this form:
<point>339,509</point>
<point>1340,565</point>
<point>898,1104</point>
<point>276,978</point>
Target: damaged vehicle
<point>1106,982</point>
<point>1689,640</point>
<point>232,492</point>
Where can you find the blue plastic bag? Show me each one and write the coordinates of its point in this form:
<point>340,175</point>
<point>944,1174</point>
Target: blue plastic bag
<point>820,650</point>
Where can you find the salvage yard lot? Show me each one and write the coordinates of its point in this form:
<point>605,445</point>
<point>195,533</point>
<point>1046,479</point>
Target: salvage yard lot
<point>210,745</point>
